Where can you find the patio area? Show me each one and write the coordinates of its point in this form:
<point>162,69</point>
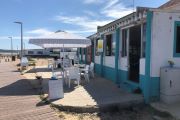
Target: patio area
<point>99,93</point>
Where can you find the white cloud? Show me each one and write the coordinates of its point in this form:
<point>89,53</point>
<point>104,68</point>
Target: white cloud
<point>29,34</point>
<point>111,3</point>
<point>109,11</point>
<point>90,13</point>
<point>15,37</point>
<point>93,1</point>
<point>85,23</point>
<point>39,32</point>
<point>116,9</point>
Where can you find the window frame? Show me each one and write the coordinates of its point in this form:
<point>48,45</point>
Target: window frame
<point>176,24</point>
<point>124,49</point>
<point>143,39</point>
<point>96,47</point>
<point>111,50</point>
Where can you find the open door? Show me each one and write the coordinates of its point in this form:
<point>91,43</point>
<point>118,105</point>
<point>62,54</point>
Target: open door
<point>134,53</point>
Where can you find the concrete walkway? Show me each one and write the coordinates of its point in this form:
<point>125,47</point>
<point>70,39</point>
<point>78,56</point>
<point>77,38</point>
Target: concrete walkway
<point>18,101</point>
<point>99,93</point>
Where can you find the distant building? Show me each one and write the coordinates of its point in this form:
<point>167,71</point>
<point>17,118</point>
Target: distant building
<point>37,52</point>
<point>49,52</point>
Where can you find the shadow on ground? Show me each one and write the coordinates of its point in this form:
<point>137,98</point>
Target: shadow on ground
<point>39,70</point>
<point>18,88</point>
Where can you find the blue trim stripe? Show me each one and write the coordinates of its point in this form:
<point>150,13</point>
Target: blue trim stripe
<point>117,54</point>
<point>148,57</point>
<point>97,69</point>
<point>109,73</point>
<point>102,55</point>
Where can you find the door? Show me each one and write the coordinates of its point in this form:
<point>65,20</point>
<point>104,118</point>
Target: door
<point>134,53</point>
<point>89,55</point>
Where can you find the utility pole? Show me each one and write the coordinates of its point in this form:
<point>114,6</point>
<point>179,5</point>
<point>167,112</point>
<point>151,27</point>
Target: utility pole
<point>21,38</point>
<point>11,47</point>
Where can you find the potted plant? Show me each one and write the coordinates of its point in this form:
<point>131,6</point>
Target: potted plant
<point>171,63</point>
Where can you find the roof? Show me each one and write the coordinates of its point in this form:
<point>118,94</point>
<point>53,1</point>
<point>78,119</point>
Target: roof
<point>170,4</point>
<point>131,16</point>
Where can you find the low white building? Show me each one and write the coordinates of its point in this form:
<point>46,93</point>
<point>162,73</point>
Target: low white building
<point>136,47</point>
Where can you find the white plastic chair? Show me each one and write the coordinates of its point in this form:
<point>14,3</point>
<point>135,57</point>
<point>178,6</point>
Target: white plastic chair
<point>73,74</point>
<point>85,73</point>
<point>67,63</point>
<point>91,69</point>
<point>50,64</point>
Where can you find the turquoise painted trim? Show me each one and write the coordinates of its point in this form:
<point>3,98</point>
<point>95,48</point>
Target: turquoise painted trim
<point>97,69</point>
<point>147,83</point>
<point>122,76</point>
<point>84,54</point>
<point>155,87</point>
<point>85,51</point>
<point>142,79</point>
<point>117,54</point>
<point>176,24</point>
<point>125,83</point>
<point>109,73</point>
<point>102,55</point>
<point>92,53</point>
<point>81,60</point>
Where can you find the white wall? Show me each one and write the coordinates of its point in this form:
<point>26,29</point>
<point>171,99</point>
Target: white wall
<point>83,57</point>
<point>97,59</point>
<point>109,61</point>
<point>162,41</point>
<point>123,63</point>
<point>142,66</point>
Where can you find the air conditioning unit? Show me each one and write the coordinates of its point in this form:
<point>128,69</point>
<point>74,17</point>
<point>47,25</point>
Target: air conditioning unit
<point>170,84</point>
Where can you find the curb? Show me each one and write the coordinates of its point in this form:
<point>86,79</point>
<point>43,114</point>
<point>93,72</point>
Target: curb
<point>93,109</point>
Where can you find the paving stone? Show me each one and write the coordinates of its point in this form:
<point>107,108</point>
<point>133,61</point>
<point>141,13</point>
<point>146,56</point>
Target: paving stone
<point>18,101</point>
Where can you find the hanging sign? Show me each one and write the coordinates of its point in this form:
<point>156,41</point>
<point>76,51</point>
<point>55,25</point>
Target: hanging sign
<point>100,45</point>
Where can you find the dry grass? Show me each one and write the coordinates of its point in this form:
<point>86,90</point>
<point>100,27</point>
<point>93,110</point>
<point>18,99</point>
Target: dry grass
<point>136,113</point>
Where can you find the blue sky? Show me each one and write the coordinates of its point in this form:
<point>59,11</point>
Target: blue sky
<point>42,17</point>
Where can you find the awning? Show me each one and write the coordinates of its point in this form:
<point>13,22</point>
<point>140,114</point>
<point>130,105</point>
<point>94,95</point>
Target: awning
<point>61,39</point>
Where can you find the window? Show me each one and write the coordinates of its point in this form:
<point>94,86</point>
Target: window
<point>124,42</point>
<point>96,47</point>
<point>30,52</point>
<point>113,46</point>
<point>108,48</point>
<point>40,52</point>
<point>177,39</point>
<point>83,51</point>
<point>143,49</point>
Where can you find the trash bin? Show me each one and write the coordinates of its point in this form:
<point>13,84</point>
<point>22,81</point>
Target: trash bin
<point>55,88</point>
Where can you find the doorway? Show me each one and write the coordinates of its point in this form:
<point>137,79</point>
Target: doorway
<point>134,53</point>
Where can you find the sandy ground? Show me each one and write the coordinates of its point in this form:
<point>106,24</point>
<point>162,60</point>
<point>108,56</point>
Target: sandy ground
<point>134,113</point>
<point>144,112</point>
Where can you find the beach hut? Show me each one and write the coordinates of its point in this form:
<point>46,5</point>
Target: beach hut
<point>136,47</point>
